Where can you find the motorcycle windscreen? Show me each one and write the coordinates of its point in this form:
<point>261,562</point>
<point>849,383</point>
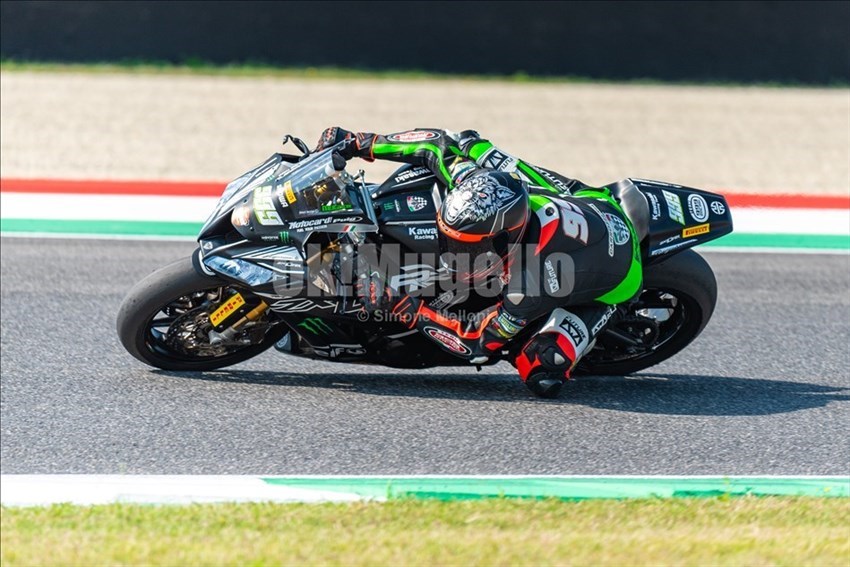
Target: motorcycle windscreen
<point>239,189</point>
<point>309,197</point>
<point>682,217</point>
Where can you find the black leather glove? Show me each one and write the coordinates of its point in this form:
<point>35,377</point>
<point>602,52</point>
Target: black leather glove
<point>332,136</point>
<point>467,138</point>
<point>359,143</point>
<point>374,292</point>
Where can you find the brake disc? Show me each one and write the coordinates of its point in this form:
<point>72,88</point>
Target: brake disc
<point>190,332</point>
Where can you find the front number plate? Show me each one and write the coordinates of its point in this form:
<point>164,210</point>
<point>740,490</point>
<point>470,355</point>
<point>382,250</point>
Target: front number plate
<point>226,309</point>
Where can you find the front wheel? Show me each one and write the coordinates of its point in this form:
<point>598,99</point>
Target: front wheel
<point>164,322</point>
<point>678,300</point>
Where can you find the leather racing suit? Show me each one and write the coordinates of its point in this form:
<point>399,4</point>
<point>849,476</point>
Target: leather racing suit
<point>570,223</point>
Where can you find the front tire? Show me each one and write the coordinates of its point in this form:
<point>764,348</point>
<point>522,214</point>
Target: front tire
<point>176,282</point>
<point>689,279</point>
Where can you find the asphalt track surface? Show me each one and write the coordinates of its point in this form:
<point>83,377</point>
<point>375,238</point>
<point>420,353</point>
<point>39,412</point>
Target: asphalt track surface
<point>764,390</point>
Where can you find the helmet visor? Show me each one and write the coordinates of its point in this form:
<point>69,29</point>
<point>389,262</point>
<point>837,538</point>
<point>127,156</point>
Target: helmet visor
<point>471,261</point>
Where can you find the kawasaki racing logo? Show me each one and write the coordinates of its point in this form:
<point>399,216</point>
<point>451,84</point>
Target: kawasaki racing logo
<point>427,233</point>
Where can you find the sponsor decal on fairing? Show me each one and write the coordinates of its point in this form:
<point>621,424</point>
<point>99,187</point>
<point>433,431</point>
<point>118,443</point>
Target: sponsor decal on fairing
<point>670,248</point>
<point>654,205</point>
<point>420,233</point>
<point>411,174</point>
<point>698,208</point>
<point>416,203</point>
<point>696,230</point>
<point>264,208</point>
<point>674,207</point>
<point>288,194</point>
<point>718,208</point>
<point>301,305</point>
<point>339,350</point>
<point>314,223</point>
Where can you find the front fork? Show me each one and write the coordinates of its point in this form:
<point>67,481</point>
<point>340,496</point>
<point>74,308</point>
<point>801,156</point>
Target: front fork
<point>227,335</point>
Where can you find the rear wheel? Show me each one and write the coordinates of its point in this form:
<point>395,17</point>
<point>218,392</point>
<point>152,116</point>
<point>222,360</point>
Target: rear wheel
<point>164,322</point>
<point>678,300</point>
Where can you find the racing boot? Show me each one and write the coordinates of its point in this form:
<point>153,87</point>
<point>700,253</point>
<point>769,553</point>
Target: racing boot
<point>545,362</point>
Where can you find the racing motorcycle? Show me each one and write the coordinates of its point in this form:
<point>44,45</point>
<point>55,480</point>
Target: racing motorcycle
<point>266,273</point>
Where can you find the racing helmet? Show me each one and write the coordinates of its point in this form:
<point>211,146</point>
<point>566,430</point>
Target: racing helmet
<point>481,223</point>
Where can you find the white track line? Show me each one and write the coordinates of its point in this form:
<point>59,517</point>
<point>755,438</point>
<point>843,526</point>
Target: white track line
<point>44,490</point>
<point>58,206</point>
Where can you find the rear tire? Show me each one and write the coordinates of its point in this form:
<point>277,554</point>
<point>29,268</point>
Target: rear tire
<point>688,277</point>
<point>147,298</point>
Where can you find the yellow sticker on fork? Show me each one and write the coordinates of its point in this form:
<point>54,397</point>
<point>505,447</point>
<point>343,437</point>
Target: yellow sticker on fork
<point>227,309</point>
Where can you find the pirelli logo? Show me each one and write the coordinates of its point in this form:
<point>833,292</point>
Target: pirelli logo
<point>226,309</point>
<point>696,230</point>
<point>290,194</point>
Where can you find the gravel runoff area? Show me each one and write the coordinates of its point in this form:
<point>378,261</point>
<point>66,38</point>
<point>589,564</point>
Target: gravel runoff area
<point>126,126</point>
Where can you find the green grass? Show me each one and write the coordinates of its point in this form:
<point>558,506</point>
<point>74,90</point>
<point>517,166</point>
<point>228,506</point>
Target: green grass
<point>722,531</point>
<point>258,69</point>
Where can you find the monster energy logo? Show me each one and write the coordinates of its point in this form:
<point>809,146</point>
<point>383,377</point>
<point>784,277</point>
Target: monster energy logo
<point>284,237</point>
<point>316,326</point>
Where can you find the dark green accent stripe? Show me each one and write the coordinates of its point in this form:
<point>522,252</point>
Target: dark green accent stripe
<point>631,283</point>
<point>745,240</point>
<point>570,488</point>
<point>537,202</point>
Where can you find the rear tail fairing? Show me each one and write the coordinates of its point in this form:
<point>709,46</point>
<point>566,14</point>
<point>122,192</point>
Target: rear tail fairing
<point>681,217</point>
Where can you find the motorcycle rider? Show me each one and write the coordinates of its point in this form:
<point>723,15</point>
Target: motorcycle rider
<point>495,206</point>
